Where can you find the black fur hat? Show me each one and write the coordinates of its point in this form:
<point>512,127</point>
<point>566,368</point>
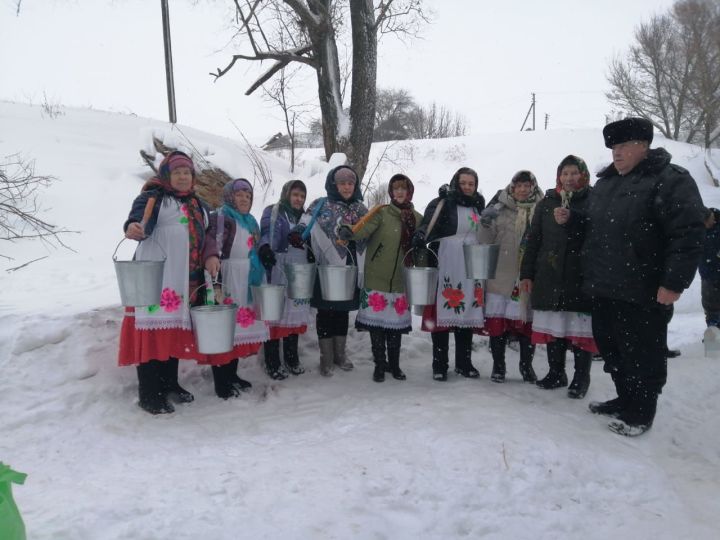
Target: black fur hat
<point>628,129</point>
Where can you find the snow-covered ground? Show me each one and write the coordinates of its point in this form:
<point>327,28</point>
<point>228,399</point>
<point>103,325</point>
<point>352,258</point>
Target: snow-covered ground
<point>311,457</point>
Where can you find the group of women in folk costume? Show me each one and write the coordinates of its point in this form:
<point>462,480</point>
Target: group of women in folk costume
<point>171,221</point>
<point>535,295</point>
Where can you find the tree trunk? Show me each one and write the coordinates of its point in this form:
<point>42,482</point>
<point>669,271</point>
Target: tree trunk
<point>364,91</point>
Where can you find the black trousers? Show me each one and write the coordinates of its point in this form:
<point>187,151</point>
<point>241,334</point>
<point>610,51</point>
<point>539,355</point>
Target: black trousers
<point>633,342</point>
<point>330,323</point>
<point>710,292</point>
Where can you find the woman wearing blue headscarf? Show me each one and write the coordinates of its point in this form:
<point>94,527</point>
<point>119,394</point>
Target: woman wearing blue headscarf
<point>234,234</point>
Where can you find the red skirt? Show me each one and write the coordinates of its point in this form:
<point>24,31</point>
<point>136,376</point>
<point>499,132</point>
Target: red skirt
<point>497,326</point>
<point>279,332</point>
<point>584,343</point>
<point>141,346</point>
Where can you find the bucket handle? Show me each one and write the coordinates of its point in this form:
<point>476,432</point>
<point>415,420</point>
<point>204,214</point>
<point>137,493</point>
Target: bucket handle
<point>114,255</point>
<point>346,249</point>
<point>426,248</point>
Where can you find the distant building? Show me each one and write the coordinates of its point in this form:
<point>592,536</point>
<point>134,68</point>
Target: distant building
<point>280,141</point>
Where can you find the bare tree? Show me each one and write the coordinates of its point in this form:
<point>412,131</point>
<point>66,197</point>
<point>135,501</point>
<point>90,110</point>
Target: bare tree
<point>293,112</point>
<point>310,28</point>
<point>392,114</point>
<point>19,205</point>
<point>436,122</point>
<point>671,75</point>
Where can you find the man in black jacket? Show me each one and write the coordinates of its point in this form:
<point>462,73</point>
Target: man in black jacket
<point>643,243</point>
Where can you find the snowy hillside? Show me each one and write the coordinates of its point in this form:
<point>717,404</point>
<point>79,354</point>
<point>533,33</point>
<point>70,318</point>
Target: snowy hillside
<point>309,457</point>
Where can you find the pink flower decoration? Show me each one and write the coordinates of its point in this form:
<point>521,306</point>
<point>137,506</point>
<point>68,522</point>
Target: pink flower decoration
<point>184,210</point>
<point>401,305</point>
<point>377,301</point>
<point>250,242</point>
<point>228,300</point>
<point>475,218</point>
<point>245,317</point>
<point>169,300</point>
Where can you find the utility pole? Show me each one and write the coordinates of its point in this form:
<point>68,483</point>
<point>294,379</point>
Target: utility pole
<point>547,118</point>
<point>530,110</point>
<point>168,62</point>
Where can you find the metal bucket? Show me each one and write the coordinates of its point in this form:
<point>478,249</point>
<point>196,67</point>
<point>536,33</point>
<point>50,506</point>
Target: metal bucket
<point>421,283</point>
<point>300,280</point>
<point>269,301</point>
<point>481,260</point>
<point>214,327</point>
<point>338,283</point>
<point>140,282</point>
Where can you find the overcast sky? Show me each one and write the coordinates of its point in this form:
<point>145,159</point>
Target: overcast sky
<point>481,58</point>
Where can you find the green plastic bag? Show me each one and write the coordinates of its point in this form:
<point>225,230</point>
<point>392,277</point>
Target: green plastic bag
<point>11,524</point>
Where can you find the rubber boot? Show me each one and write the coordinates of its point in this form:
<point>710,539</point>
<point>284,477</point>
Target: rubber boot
<point>237,383</point>
<point>556,376</point>
<point>497,349</point>
<point>291,356</point>
<point>340,358</point>
<point>327,355</point>
<point>440,345</point>
<point>527,353</point>
<point>170,385</point>
<point>393,352</point>
<point>272,360</point>
<point>151,396</point>
<point>463,352</point>
<point>377,344</point>
<point>222,377</point>
<point>613,407</point>
<point>581,379</point>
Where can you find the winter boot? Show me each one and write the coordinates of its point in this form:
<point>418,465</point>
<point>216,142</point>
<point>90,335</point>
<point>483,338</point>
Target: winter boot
<point>556,376</point>
<point>151,396</point>
<point>581,380</point>
<point>527,352</point>
<point>613,407</point>
<point>377,344</point>
<point>327,354</point>
<point>440,345</point>
<point>393,352</point>
<point>497,349</point>
<point>290,355</point>
<point>222,377</point>
<point>272,360</point>
<point>463,352</point>
<point>638,416</point>
<point>170,385</point>
<point>239,384</point>
<point>340,357</point>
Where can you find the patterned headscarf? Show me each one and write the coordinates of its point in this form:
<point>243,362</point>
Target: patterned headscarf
<point>582,167</point>
<point>285,198</point>
<point>407,216</point>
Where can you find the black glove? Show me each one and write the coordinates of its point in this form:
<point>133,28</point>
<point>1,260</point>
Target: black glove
<point>295,239</point>
<point>267,257</point>
<point>344,232</point>
<point>418,240</point>
<point>488,215</point>
<point>444,191</point>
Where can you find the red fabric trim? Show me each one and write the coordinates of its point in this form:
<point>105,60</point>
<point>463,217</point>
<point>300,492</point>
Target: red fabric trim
<point>497,326</point>
<point>584,343</point>
<point>141,346</point>
<point>279,332</point>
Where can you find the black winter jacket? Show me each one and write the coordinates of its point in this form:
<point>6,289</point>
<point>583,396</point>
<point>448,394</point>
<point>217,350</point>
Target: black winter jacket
<point>552,256</point>
<point>446,224</point>
<point>644,230</point>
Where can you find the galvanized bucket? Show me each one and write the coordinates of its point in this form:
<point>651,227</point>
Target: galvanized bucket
<point>269,301</point>
<point>300,280</point>
<point>338,282</point>
<point>421,283</point>
<point>214,327</point>
<point>481,260</point>
<point>140,282</point>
